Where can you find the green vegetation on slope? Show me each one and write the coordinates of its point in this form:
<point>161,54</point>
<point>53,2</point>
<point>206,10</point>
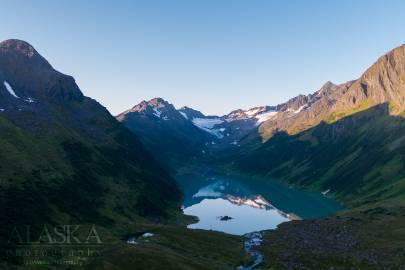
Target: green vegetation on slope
<point>173,247</point>
<point>67,160</point>
<point>170,247</point>
<point>358,158</point>
<point>63,178</point>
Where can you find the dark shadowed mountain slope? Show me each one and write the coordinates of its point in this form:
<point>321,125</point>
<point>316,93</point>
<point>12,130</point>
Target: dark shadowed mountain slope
<point>170,136</point>
<point>178,137</point>
<point>64,158</point>
<point>190,113</point>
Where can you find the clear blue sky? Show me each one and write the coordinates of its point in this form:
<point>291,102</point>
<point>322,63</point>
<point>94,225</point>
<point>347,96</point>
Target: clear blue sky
<point>214,55</point>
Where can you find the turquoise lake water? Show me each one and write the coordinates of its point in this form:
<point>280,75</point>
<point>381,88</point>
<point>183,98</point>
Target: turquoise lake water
<point>248,203</point>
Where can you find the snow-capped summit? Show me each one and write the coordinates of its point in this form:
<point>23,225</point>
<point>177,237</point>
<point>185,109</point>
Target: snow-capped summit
<point>258,114</point>
<point>157,116</point>
<point>168,132</point>
<point>215,132</point>
<point>156,107</point>
<point>153,103</point>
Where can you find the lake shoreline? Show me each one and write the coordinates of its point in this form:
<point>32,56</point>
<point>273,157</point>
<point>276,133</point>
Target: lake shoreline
<point>208,194</point>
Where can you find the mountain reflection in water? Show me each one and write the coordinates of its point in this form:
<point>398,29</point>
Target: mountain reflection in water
<point>247,207</point>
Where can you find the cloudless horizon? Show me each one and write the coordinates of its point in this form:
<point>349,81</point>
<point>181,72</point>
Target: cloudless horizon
<point>211,55</point>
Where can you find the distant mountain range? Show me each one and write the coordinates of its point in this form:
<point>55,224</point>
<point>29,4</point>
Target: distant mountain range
<point>219,132</point>
<point>340,138</point>
<point>188,133</point>
<point>185,134</point>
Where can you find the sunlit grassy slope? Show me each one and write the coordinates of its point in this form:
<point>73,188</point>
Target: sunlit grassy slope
<point>358,158</point>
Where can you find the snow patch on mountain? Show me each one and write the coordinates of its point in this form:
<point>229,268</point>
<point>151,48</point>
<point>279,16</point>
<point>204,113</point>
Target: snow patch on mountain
<point>236,115</point>
<point>297,110</point>
<point>207,124</point>
<point>265,116</point>
<point>10,89</point>
<point>214,132</point>
<point>157,112</point>
<point>252,112</point>
<point>183,114</point>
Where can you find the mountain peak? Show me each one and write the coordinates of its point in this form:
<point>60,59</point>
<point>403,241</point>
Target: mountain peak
<point>328,84</point>
<point>31,75</point>
<point>158,102</point>
<point>327,88</point>
<point>153,107</point>
<point>185,108</point>
<point>18,46</point>
<point>15,53</point>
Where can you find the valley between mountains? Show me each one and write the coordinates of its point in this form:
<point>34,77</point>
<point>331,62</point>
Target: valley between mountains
<point>328,167</point>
